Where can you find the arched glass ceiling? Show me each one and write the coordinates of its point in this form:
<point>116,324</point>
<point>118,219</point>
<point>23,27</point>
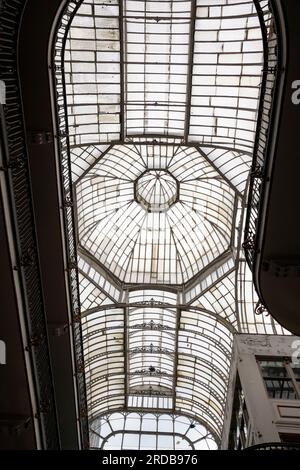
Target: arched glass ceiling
<point>124,431</point>
<point>157,109</point>
<point>177,358</point>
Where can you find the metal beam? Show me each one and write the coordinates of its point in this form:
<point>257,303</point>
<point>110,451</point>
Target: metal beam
<point>122,69</point>
<point>190,70</point>
<point>136,139</point>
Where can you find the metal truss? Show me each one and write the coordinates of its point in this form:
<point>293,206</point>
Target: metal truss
<point>171,87</point>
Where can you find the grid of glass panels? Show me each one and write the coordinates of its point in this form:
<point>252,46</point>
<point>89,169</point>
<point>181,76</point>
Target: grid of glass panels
<point>104,359</point>
<point>234,166</point>
<point>154,86</point>
<point>121,431</point>
<point>93,273</point>
<point>152,347</point>
<point>226,74</point>
<point>93,73</point>
<point>204,357</point>
<point>82,158</point>
<point>185,68</point>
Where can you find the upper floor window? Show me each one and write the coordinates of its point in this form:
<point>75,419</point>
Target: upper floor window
<point>281,377</point>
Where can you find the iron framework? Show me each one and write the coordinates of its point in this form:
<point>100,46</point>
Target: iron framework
<point>275,446</point>
<point>103,107</point>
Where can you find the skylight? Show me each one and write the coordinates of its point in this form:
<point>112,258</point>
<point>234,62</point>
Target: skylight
<point>157,111</point>
<point>154,214</point>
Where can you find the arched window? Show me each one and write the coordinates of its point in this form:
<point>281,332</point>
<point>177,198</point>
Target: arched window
<point>157,115</point>
<point>123,431</point>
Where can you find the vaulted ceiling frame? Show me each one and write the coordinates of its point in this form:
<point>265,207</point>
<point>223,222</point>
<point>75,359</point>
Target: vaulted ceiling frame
<point>182,307</point>
<point>106,418</point>
<point>227,255</point>
<point>124,62</point>
<point>122,70</point>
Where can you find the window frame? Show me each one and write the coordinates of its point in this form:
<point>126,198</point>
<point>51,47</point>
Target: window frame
<point>286,361</point>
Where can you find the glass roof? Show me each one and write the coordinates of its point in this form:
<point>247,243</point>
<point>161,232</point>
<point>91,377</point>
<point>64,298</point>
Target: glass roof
<point>154,214</point>
<point>162,100</point>
<point>147,431</point>
<point>184,68</point>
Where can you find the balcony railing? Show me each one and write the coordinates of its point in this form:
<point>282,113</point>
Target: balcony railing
<point>17,175</point>
<point>271,73</point>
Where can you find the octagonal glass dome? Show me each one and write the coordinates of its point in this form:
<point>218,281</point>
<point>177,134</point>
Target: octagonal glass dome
<point>159,218</point>
<point>156,190</point>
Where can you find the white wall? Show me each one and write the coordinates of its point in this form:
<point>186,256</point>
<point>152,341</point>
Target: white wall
<point>268,417</point>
